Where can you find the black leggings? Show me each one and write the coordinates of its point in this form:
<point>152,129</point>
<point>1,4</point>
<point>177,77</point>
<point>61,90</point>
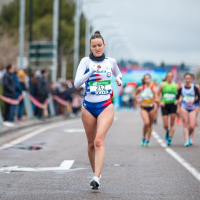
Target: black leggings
<point>148,109</point>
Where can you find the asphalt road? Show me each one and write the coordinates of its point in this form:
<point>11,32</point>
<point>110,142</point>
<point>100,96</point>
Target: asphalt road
<point>130,171</point>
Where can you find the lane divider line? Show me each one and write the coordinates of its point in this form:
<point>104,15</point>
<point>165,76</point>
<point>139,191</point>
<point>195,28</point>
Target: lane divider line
<point>73,130</point>
<point>34,133</point>
<point>177,157</point>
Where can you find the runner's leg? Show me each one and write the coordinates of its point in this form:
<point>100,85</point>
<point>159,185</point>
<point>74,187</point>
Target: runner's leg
<point>90,125</point>
<point>172,124</point>
<point>185,116</point>
<point>104,121</point>
<point>192,122</point>
<point>151,119</point>
<point>165,122</point>
<point>145,117</point>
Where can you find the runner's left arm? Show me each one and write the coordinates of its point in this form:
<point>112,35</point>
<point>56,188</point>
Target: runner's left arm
<point>156,96</point>
<point>197,95</point>
<point>179,96</point>
<point>116,71</point>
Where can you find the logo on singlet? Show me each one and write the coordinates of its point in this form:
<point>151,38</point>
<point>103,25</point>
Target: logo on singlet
<point>108,74</point>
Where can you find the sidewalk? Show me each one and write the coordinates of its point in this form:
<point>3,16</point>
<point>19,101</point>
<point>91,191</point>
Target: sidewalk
<point>5,129</point>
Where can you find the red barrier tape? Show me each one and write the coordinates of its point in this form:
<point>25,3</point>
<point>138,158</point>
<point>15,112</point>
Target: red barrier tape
<point>38,104</point>
<point>12,101</point>
<point>60,101</point>
<point>34,101</point>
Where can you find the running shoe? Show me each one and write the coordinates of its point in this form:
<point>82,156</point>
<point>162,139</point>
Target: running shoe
<point>142,143</point>
<point>147,143</point>
<point>167,135</point>
<point>191,141</point>
<point>169,143</point>
<point>178,121</point>
<point>187,144</point>
<point>95,183</point>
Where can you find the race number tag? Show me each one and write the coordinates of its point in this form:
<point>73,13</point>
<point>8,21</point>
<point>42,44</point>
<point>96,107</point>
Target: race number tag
<point>169,97</point>
<point>100,87</point>
<point>189,100</point>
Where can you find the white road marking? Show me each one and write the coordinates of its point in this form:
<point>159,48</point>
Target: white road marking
<point>74,130</point>
<point>177,157</point>
<point>34,133</point>
<point>65,166</point>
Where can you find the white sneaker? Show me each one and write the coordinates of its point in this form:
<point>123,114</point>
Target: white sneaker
<point>95,183</point>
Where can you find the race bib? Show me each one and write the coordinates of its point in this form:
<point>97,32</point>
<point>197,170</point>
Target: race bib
<point>188,99</point>
<point>169,97</point>
<point>100,87</point>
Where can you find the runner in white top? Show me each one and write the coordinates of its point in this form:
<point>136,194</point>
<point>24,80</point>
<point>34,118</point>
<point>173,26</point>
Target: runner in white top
<point>97,110</point>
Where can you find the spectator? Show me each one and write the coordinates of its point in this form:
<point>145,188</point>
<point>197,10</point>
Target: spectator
<point>8,89</point>
<point>22,81</point>
<point>33,88</point>
<point>42,90</point>
<point>61,88</point>
<point>18,92</point>
<point>76,102</point>
<point>53,91</point>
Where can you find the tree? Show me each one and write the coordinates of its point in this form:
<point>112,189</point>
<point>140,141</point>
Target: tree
<point>42,26</point>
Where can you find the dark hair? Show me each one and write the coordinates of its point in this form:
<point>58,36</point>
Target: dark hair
<point>143,82</point>
<point>187,74</point>
<point>43,71</point>
<point>165,79</point>
<point>8,67</point>
<point>193,76</point>
<point>96,34</point>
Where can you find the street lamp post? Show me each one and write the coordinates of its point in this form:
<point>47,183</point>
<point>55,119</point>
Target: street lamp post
<point>87,27</point>
<point>116,46</point>
<point>55,39</point>
<point>87,31</point>
<point>110,42</point>
<point>87,39</point>
<point>76,36</point>
<point>21,33</point>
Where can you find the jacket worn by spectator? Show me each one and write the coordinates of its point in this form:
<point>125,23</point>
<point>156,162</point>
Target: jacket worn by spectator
<point>42,87</point>
<point>8,85</point>
<point>18,88</point>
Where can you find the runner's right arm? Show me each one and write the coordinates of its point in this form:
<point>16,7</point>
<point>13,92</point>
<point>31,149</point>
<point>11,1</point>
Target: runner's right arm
<point>137,91</point>
<point>81,76</point>
<point>160,94</point>
<point>179,96</point>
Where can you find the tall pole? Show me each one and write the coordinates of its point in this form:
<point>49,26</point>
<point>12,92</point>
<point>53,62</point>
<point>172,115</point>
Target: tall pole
<point>30,31</point>
<point>55,39</point>
<point>30,20</point>
<point>87,37</point>
<point>76,36</point>
<point>59,39</point>
<point>21,33</point>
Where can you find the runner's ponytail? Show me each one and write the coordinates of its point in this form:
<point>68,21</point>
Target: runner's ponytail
<point>96,34</point>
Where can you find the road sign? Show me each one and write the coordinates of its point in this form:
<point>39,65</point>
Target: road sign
<point>24,62</point>
<point>41,51</point>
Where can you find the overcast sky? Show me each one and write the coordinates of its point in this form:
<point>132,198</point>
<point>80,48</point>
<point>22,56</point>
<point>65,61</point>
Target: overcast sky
<point>149,30</point>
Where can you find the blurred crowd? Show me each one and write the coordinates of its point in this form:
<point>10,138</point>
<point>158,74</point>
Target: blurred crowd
<point>15,81</point>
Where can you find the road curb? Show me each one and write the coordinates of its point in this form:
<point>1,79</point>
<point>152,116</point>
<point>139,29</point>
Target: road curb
<point>36,123</point>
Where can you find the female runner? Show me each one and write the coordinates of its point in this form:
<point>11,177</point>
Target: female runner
<point>168,90</point>
<point>188,96</point>
<point>148,97</point>
<point>197,107</point>
<point>178,120</point>
<point>97,110</point>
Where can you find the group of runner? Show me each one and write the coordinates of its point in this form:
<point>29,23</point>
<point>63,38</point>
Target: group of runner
<point>179,101</point>
<point>97,113</point>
